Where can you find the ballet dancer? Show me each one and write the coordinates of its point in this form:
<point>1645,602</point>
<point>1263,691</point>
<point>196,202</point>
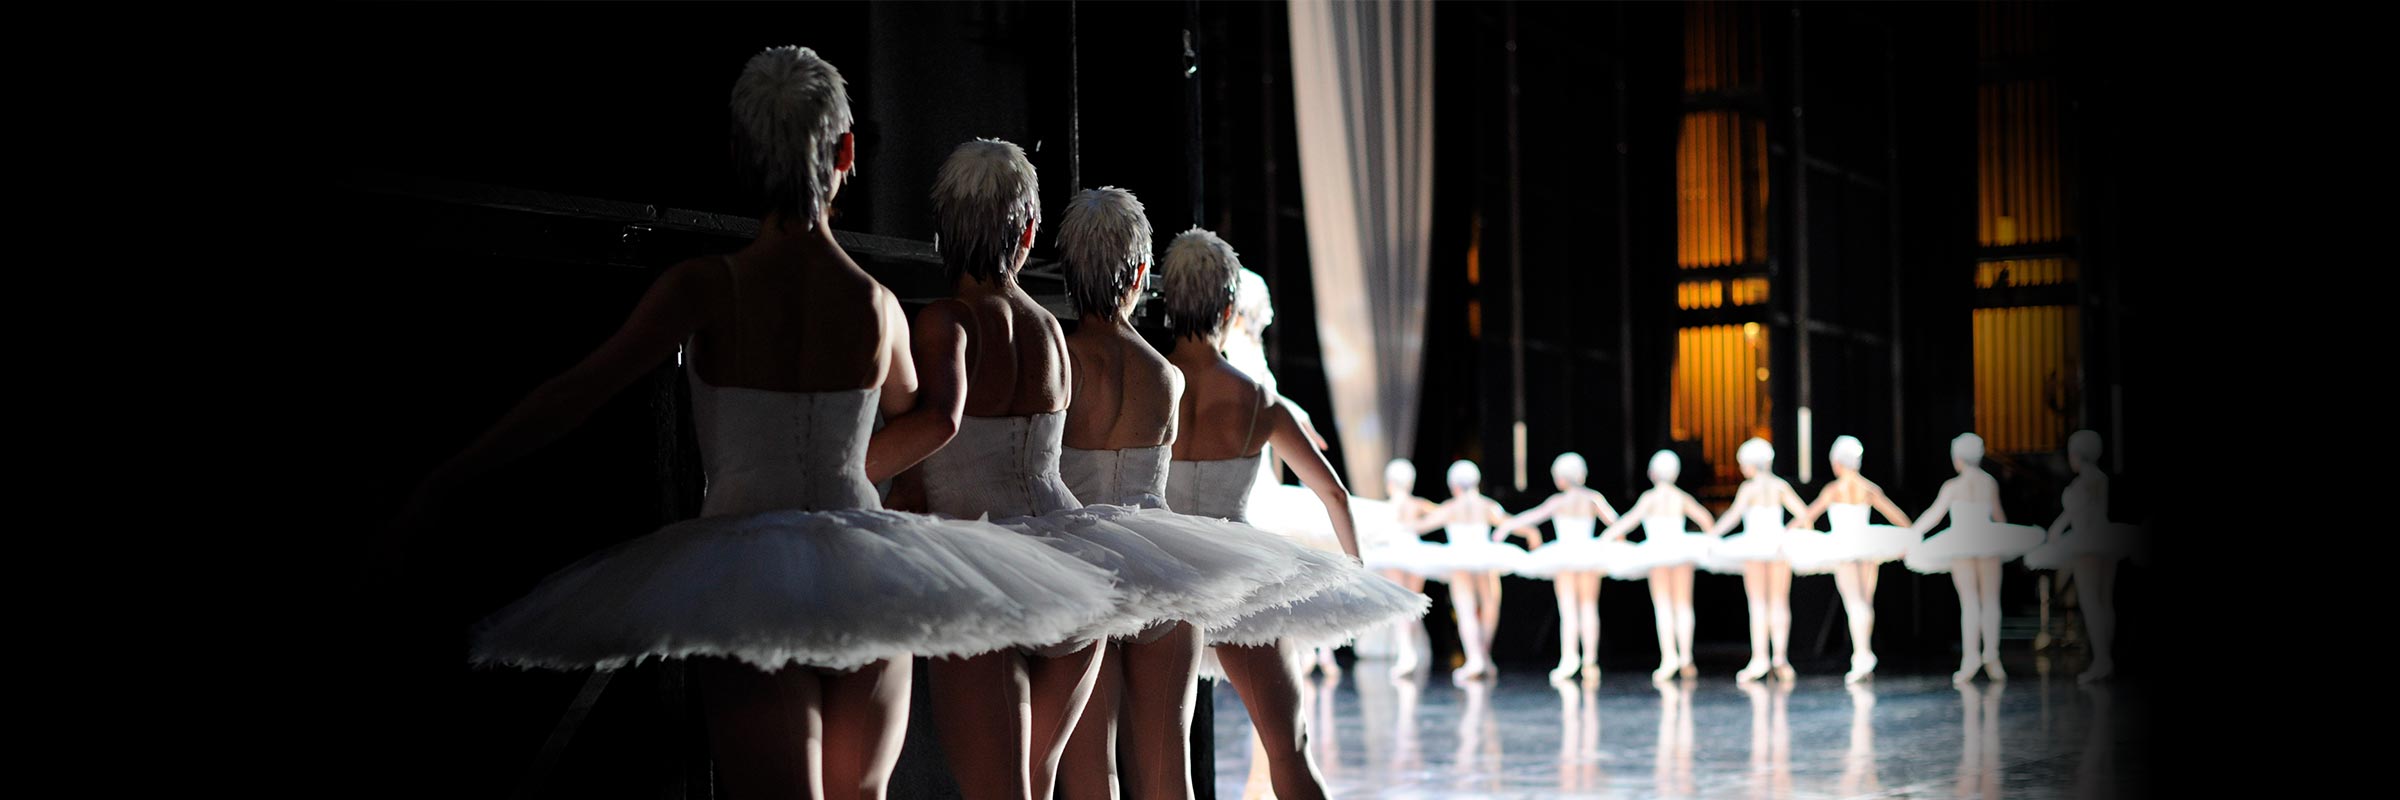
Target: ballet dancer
<point>2083,544</point>
<point>1757,555</point>
<point>1978,541</point>
<point>1572,561</point>
<point>1855,550</point>
<point>1472,563</point>
<point>1665,558</point>
<point>1224,422</point>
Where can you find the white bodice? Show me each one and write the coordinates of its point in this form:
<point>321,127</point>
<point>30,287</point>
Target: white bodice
<point>1573,529</point>
<point>1762,519</point>
<point>1219,488</point>
<point>1001,466</point>
<point>766,450</point>
<point>1134,476</point>
<point>1848,516</point>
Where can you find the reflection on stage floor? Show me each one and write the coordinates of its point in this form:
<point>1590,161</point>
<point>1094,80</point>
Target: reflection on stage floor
<point>1623,736</point>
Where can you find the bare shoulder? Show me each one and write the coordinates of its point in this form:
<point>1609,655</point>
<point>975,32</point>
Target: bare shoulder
<point>942,314</point>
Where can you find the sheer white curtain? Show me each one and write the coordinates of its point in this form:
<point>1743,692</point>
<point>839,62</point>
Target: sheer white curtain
<point>1362,96</point>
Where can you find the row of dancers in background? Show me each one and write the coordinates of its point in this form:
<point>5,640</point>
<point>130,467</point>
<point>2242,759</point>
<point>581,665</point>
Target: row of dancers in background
<point>1054,524</point>
<point>1766,553</point>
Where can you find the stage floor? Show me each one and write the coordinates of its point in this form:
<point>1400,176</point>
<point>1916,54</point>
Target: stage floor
<point>2034,736</point>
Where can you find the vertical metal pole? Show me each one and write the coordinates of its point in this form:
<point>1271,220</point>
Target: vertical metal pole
<point>1516,263</point>
<point>1191,105</point>
<point>1624,256</point>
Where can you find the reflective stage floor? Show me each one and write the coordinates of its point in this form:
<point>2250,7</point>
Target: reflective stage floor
<point>1893,736</point>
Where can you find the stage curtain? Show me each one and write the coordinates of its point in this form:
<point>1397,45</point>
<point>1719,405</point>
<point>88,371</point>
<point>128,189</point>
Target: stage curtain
<point>1362,97</point>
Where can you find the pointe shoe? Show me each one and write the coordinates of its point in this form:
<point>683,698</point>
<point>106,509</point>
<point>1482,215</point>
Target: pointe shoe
<point>1862,666</point>
<point>1688,670</point>
<point>1562,672</point>
<point>1751,673</point>
<point>1460,676</point>
<point>1991,669</point>
<point>2041,641</point>
<point>1664,672</point>
<point>1965,674</point>
<point>1785,673</point>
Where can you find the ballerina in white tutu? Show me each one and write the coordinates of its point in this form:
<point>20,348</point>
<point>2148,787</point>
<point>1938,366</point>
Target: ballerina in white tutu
<point>2082,540</point>
<point>1223,423</point>
<point>1757,555</point>
<point>1978,541</point>
<point>1400,556</point>
<point>1855,551</point>
<point>996,388</point>
<point>1117,434</point>
<point>1471,562</point>
<point>796,598</point>
<point>1665,558</point>
<point>1573,561</point>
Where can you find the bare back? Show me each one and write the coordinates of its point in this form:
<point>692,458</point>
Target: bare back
<point>1016,354</point>
<point>1125,393</point>
<point>1852,489</point>
<point>1221,415</point>
<point>1581,503</point>
<point>1975,486</point>
<point>807,324</point>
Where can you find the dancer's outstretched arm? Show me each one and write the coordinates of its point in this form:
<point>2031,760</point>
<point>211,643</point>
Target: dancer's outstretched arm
<point>1934,513</point>
<point>1496,516</point>
<point>1607,513</point>
<point>1523,523</point>
<point>667,315</point>
<point>1890,510</point>
<point>1733,513</point>
<point>1633,516</point>
<point>1807,518</point>
<point>1696,512</point>
<point>1292,447</point>
<point>1790,498</point>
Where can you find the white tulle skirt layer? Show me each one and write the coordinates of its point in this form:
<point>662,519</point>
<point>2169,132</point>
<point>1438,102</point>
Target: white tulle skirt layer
<point>1813,553</point>
<point>1565,556</point>
<point>1168,566</point>
<point>1971,539</point>
<point>1470,556</point>
<point>1410,555</point>
<point>2107,542</point>
<point>835,589</point>
<point>1357,601</point>
<point>1633,562</point>
<point>1733,554</point>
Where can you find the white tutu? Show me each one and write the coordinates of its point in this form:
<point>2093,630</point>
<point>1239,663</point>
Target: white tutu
<point>2111,541</point>
<point>1471,554</point>
<point>1669,550</point>
<point>1987,540</point>
<point>1414,556</point>
<point>836,589</point>
<point>1359,600</point>
<point>1382,542</point>
<point>1761,539</point>
<point>1169,566</point>
<point>1565,556</point>
<point>1813,553</point>
<point>1731,555</point>
<point>1852,540</point>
